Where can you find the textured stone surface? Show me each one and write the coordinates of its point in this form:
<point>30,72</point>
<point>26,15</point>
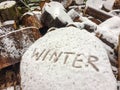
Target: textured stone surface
<point>67,59</point>
<point>13,43</point>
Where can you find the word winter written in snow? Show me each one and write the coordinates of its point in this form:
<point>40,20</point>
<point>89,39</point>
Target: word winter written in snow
<point>76,62</point>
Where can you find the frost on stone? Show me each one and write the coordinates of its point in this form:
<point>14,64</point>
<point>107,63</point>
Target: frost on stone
<point>95,3</point>
<point>37,14</point>
<point>7,4</point>
<point>73,14</point>
<point>115,12</point>
<point>110,30</point>
<point>108,4</point>
<point>67,59</point>
<point>54,15</point>
<point>65,3</point>
<point>13,44</point>
<point>79,1</point>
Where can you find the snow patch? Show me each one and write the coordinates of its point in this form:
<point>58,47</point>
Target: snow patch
<point>36,13</point>
<point>7,4</point>
<point>56,10</point>
<point>9,22</point>
<point>79,1</point>
<point>108,4</point>
<point>95,3</point>
<point>110,30</point>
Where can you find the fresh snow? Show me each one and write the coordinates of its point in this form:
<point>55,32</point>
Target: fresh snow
<point>7,4</point>
<point>73,14</point>
<point>95,3</point>
<point>115,12</point>
<point>91,70</point>
<point>56,10</point>
<point>33,13</point>
<point>108,4</point>
<point>98,4</point>
<point>10,45</point>
<point>13,88</point>
<point>9,22</point>
<point>79,1</point>
<point>110,30</point>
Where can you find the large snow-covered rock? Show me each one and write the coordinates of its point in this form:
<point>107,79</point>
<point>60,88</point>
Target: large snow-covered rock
<point>37,14</point>
<point>110,30</point>
<point>108,4</point>
<point>67,59</point>
<point>13,43</point>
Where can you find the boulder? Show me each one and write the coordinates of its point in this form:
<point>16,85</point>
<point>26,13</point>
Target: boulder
<point>13,43</point>
<point>54,15</point>
<point>67,59</point>
<point>108,5</point>
<point>110,30</point>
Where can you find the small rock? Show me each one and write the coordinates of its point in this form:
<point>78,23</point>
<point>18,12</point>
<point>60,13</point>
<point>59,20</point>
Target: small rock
<point>54,15</point>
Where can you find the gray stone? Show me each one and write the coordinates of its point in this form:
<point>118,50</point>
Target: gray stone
<point>67,59</point>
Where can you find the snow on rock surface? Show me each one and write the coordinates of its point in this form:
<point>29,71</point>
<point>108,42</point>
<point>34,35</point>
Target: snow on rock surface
<point>67,59</point>
<point>95,3</point>
<point>65,3</point>
<point>36,13</point>
<point>5,29</point>
<point>108,4</point>
<point>73,14</point>
<point>51,5</point>
<point>115,12</point>
<point>110,30</point>
<point>14,44</point>
<point>7,4</point>
<point>111,54</point>
<point>53,13</point>
<point>79,1</point>
<point>9,22</point>
<point>77,24</point>
<point>13,88</point>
